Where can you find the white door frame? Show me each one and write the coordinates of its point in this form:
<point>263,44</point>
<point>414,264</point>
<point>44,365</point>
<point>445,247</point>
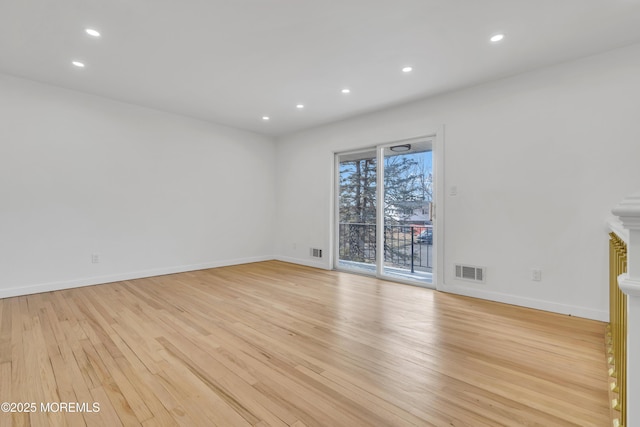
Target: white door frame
<point>437,139</point>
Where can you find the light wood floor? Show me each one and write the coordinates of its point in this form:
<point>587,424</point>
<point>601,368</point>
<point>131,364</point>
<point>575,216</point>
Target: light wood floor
<point>277,344</point>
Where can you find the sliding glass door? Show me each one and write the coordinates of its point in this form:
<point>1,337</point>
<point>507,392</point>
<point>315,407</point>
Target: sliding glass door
<point>384,211</point>
<point>357,211</point>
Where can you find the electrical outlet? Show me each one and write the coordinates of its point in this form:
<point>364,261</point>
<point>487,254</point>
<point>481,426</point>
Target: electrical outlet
<point>536,274</point>
<point>95,259</point>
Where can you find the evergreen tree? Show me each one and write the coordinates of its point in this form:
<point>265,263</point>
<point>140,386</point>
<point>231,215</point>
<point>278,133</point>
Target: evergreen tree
<point>358,209</point>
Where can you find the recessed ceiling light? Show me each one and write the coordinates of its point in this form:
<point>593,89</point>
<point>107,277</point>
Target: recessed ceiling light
<point>92,32</point>
<point>78,64</point>
<point>265,118</point>
<point>346,90</point>
<point>497,38</point>
<point>407,69</point>
<point>299,106</point>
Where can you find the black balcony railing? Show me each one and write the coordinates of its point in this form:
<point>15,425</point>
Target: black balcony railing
<point>405,246</point>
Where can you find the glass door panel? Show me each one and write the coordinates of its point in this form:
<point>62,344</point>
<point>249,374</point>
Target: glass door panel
<point>407,212</point>
<point>356,216</point>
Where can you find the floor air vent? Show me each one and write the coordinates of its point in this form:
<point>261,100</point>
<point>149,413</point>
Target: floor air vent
<point>316,253</point>
<point>470,272</point>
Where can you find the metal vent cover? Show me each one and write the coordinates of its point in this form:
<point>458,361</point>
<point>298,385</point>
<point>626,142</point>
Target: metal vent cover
<point>470,272</point>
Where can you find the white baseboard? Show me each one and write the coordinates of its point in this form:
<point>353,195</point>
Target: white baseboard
<point>309,263</point>
<point>572,310</point>
<point>554,307</point>
<point>588,313</point>
<point>98,280</point>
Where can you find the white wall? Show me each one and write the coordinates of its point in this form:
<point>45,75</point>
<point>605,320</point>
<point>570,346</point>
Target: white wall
<point>539,161</point>
<point>148,191</point>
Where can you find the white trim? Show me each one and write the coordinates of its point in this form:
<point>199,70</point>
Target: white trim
<point>333,190</point>
<point>572,310</point>
<point>309,263</point>
<point>335,216</point>
<point>439,220</point>
<point>99,280</point>
<point>628,211</point>
<point>617,227</point>
<point>380,200</point>
<point>629,286</point>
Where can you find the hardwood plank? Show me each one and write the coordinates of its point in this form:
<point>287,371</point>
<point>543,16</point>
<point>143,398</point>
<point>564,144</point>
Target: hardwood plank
<point>19,364</point>
<point>108,416</point>
<point>65,389</point>
<point>277,344</point>
<point>5,390</point>
<point>5,331</point>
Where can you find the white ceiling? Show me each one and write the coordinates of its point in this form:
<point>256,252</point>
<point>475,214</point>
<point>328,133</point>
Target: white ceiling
<point>233,61</point>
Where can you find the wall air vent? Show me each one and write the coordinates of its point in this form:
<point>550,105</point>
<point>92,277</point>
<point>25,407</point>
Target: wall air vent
<point>316,253</point>
<point>470,272</point>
